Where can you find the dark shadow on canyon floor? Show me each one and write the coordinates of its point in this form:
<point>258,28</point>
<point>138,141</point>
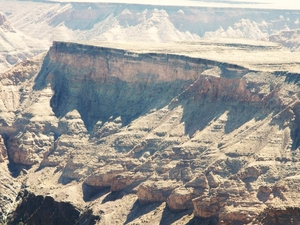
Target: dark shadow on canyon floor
<point>91,193</point>
<point>169,216</point>
<point>17,169</point>
<point>139,209</point>
<point>113,196</point>
<point>203,221</point>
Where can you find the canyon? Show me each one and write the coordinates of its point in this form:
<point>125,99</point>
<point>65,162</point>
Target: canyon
<point>202,132</point>
<point>31,26</point>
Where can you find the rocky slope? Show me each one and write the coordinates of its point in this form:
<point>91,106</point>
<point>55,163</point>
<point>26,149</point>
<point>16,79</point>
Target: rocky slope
<point>29,28</point>
<point>129,135</point>
<point>16,46</point>
<point>288,38</point>
<point>53,21</point>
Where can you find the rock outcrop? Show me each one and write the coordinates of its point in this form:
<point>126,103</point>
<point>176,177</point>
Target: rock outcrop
<point>114,130</point>
<point>9,188</point>
<point>45,210</point>
<point>16,46</point>
<point>155,191</point>
<point>3,151</point>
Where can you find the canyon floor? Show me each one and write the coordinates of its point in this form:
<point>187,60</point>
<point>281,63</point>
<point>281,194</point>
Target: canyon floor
<point>202,132</point>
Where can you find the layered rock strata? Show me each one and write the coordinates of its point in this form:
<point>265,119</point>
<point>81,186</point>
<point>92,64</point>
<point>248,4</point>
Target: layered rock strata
<point>147,129</point>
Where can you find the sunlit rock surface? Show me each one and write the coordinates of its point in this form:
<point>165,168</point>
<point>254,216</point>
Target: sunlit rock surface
<point>166,134</point>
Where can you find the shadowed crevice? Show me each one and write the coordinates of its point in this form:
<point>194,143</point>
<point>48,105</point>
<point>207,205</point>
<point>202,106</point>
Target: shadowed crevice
<point>91,193</point>
<point>139,209</point>
<point>169,216</point>
<point>44,210</point>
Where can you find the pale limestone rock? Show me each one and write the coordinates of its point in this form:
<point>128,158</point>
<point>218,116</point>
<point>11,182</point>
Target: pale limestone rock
<point>75,168</point>
<point>207,206</point>
<point>181,199</point>
<point>200,181</point>
<point>182,171</point>
<point>105,176</point>
<point>72,124</point>
<point>155,191</point>
<point>243,212</point>
<point>108,128</point>
<point>29,148</point>
<point>9,188</point>
<point>213,180</point>
<point>3,151</point>
<point>126,179</point>
<point>217,141</point>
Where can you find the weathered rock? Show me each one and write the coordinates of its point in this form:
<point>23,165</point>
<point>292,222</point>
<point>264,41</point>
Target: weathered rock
<point>213,180</point>
<point>182,171</point>
<point>155,191</point>
<point>124,180</point>
<point>181,199</point>
<point>108,128</point>
<point>207,206</point>
<point>278,216</point>
<point>3,151</point>
<point>253,172</point>
<point>28,148</point>
<point>225,144</point>
<point>240,212</point>
<point>264,193</point>
<point>72,124</point>
<point>9,188</point>
<point>36,210</point>
<point>200,181</point>
<point>105,175</point>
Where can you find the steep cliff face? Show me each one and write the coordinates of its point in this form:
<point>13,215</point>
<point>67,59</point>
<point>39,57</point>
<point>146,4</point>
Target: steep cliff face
<point>101,83</point>
<point>137,136</point>
<point>45,210</point>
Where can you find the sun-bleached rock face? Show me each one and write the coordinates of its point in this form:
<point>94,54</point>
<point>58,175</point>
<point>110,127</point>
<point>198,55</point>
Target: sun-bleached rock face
<point>288,38</point>
<point>181,199</point>
<point>155,191</point>
<point>125,180</point>
<point>4,24</point>
<point>9,188</point>
<point>52,21</point>
<point>2,19</point>
<point>97,124</point>
<point>104,177</point>
<point>242,29</point>
<point>131,78</point>
<point>15,45</point>
<point>3,151</point>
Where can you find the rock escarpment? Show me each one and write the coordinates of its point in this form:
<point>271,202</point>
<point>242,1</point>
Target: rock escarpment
<point>45,210</point>
<point>151,133</point>
<point>101,83</point>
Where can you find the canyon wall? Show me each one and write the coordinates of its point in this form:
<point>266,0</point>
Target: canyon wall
<point>145,136</point>
<point>100,82</point>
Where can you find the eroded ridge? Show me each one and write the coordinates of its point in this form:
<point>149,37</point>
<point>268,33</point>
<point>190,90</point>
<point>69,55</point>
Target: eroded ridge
<point>98,126</point>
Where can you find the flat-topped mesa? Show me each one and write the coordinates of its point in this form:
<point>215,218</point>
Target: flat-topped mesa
<point>191,132</point>
<point>102,82</point>
<point>99,63</point>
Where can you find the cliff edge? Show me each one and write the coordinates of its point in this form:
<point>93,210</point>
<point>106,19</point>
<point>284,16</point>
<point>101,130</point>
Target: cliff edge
<point>143,136</point>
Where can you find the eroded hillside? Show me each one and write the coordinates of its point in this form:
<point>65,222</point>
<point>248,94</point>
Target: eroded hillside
<point>129,135</point>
